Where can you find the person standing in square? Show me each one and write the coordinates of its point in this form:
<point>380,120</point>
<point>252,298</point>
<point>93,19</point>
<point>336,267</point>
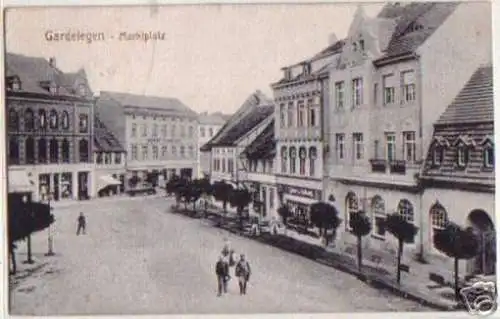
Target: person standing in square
<point>242,271</point>
<point>82,224</point>
<point>222,272</point>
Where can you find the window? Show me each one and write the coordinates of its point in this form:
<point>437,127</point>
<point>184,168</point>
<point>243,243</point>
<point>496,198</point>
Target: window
<point>65,120</point>
<point>155,152</point>
<point>409,147</point>
<point>29,120</point>
<point>13,120</point>
<point>223,165</point>
<point>271,197</point>
<point>230,165</point>
<point>375,93</point>
<point>133,131</point>
<point>182,151</point>
<point>351,204</point>
<point>65,151</point>
<point>30,150</point>
<point>408,90</point>
<point>378,213</point>
<point>164,150</point>
<point>155,130</point>
<point>174,150</point>
<point>173,131</point>
<point>191,152</point>
<point>282,115</point>
<point>489,156</point>
<point>211,132</point>
<point>462,156</point>
<point>405,209</point>
<point>53,119</point>
<point>99,158</point>
<point>339,146</point>
<point>284,157</point>
<point>302,161</point>
<point>13,151</point>
<point>144,130</point>
<point>438,216</point>
<point>133,152</point>
<point>183,131</point>
<point>390,147</point>
<point>107,158</point>
<point>339,95</point>
<point>389,89</point>
<point>42,119</point>
<point>290,114</point>
<point>164,130</point>
<point>437,155</point>
<point>376,145</point>
<point>300,114</point>
<point>358,145</point>
<point>83,123</point>
<point>82,90</point>
<point>42,151</point>
<point>54,151</point>
<point>313,155</point>
<point>190,131</point>
<point>357,92</point>
<point>118,158</point>
<point>312,113</point>
<point>145,152</point>
<point>293,158</point>
<point>202,131</point>
<point>83,147</point>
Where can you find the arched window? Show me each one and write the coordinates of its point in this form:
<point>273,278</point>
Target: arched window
<point>351,204</point>
<point>29,120</point>
<point>83,148</point>
<point>65,151</point>
<point>13,120</point>
<point>405,208</point>
<point>439,218</point>
<point>313,155</point>
<point>293,160</point>
<point>42,119</point>
<point>290,115</point>
<point>284,159</point>
<point>65,120</point>
<point>54,151</point>
<point>378,215</point>
<point>302,160</point>
<point>30,150</point>
<point>42,151</point>
<point>54,119</point>
<point>13,151</point>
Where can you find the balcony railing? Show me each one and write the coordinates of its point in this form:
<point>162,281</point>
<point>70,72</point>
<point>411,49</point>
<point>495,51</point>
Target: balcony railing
<point>398,167</point>
<point>378,165</point>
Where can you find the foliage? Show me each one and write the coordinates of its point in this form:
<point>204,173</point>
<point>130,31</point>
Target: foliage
<point>133,181</point>
<point>324,216</point>
<point>284,213</point>
<point>240,198</point>
<point>404,232</point>
<point>179,187</point>
<point>222,192</point>
<point>360,224</point>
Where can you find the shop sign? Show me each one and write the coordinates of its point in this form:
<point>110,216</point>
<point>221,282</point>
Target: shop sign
<point>304,192</point>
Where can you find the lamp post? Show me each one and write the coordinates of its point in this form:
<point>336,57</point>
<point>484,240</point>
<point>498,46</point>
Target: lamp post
<point>27,206</point>
<point>50,251</point>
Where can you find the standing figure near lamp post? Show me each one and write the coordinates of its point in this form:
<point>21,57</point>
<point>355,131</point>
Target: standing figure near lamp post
<point>50,251</point>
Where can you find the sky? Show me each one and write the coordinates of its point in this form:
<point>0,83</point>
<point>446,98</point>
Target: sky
<point>212,56</point>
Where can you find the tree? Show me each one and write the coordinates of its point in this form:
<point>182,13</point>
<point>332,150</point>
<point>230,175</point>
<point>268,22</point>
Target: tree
<point>133,181</point>
<point>222,192</point>
<point>207,191</point>
<point>284,213</point>
<point>175,186</point>
<point>456,243</point>
<point>240,198</point>
<point>194,191</point>
<point>325,217</point>
<point>361,226</point>
<point>404,232</point>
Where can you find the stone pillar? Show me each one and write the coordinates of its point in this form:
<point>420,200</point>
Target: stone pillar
<point>74,176</point>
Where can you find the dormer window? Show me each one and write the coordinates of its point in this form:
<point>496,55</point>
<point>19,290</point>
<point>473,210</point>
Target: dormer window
<point>489,156</point>
<point>288,74</point>
<point>82,90</point>
<point>437,155</point>
<point>307,69</point>
<point>53,89</point>
<point>462,156</point>
<point>362,45</point>
<point>13,83</point>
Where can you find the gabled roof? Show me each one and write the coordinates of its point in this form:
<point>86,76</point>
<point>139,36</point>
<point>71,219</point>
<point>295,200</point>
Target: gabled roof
<point>474,103</point>
<point>149,102</point>
<point>213,118</point>
<point>264,146</point>
<point>254,110</point>
<point>104,140</point>
<point>416,22</point>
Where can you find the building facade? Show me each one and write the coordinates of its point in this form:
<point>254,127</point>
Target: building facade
<point>300,99</point>
<point>159,134</point>
<point>459,174</point>
<point>49,127</point>
<point>395,76</point>
<point>209,126</point>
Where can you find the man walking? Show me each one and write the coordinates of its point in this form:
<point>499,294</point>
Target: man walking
<point>82,223</point>
<point>242,271</point>
<point>222,272</point>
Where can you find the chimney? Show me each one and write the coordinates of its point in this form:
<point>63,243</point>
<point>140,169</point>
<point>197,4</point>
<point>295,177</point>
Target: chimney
<point>332,39</point>
<point>52,62</point>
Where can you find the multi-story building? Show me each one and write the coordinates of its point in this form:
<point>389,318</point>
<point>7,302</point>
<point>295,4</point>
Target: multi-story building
<point>239,131</point>
<point>160,134</point>
<point>397,73</point>
<point>300,98</point>
<point>110,162</point>
<point>459,174</point>
<point>259,156</point>
<point>49,127</point>
<point>209,125</point>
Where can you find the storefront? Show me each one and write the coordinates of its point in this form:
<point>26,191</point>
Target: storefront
<point>299,199</point>
<point>65,185</point>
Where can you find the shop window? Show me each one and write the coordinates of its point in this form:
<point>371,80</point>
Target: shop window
<point>378,214</point>
<point>67,185</point>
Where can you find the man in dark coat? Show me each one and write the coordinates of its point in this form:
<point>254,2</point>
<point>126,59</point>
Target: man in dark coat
<point>222,272</point>
<point>82,223</point>
<point>242,271</point>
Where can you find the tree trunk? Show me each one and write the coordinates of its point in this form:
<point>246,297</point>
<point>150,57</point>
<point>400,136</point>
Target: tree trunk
<point>400,252</point>
<point>240,219</point>
<point>13,259</point>
<point>206,208</point>
<point>28,242</point>
<point>457,290</point>
<point>360,255</point>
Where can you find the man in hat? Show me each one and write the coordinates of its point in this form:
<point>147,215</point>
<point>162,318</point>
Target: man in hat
<point>222,272</point>
<point>242,271</point>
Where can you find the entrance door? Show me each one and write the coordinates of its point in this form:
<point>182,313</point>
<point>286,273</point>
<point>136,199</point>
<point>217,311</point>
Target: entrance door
<point>264,201</point>
<point>122,183</point>
<point>56,186</point>
<point>83,190</point>
<point>485,261</point>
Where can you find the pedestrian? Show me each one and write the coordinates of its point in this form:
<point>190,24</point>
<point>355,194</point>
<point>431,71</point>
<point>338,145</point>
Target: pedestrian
<point>242,271</point>
<point>222,272</point>
<point>82,223</point>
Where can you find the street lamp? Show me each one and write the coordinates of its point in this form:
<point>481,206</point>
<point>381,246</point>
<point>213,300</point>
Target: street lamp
<point>27,207</point>
<point>50,251</point>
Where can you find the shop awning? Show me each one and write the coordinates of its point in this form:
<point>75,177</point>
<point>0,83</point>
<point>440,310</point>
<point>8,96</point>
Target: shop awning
<point>106,180</point>
<point>19,181</point>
